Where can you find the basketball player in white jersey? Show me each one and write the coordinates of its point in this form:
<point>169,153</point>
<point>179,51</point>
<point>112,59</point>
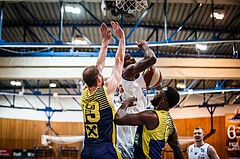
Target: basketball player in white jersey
<point>200,149</point>
<point>131,86</point>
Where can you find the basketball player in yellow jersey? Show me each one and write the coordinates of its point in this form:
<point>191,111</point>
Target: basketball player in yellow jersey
<point>97,101</point>
<point>131,84</point>
<point>155,127</point>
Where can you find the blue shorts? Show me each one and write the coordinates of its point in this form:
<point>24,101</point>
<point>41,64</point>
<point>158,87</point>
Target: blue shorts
<point>104,150</point>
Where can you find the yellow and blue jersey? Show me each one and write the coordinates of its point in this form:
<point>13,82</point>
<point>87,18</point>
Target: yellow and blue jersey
<point>100,130</point>
<point>148,144</point>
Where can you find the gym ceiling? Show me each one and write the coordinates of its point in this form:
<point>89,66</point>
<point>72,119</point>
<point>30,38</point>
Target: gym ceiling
<point>37,44</point>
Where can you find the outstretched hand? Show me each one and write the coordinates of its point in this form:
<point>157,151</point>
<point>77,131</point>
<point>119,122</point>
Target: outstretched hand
<point>142,44</point>
<point>118,30</point>
<point>130,101</point>
<point>106,33</point>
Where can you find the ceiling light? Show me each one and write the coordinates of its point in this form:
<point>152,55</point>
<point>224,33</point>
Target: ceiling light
<point>15,83</point>
<point>201,47</point>
<point>76,10</point>
<point>53,85</point>
<point>80,40</point>
<point>218,14</point>
<point>71,9</point>
<point>68,8</point>
<point>190,91</point>
<point>181,85</point>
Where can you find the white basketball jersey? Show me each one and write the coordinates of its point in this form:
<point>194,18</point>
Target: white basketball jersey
<point>126,134</point>
<point>195,152</point>
<point>134,89</point>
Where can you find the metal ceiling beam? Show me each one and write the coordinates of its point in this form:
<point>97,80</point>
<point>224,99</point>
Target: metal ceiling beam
<point>183,23</point>
<point>38,22</point>
<point>49,110</point>
<point>129,45</point>
<point>184,28</point>
<point>19,16</point>
<point>61,21</point>
<point>78,93</point>
<point>95,18</point>
<point>84,36</point>
<point>233,19</point>
<point>232,2</point>
<point>139,21</point>
<point>1,20</point>
<point>165,20</point>
<point>110,54</point>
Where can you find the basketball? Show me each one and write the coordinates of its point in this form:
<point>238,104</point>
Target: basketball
<point>152,77</point>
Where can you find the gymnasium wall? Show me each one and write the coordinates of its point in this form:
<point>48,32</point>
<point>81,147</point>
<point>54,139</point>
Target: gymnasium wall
<point>25,134</point>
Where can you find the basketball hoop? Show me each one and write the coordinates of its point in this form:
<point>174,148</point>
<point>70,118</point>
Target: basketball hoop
<point>131,5</point>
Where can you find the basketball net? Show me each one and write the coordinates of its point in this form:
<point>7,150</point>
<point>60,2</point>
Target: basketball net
<point>131,5</point>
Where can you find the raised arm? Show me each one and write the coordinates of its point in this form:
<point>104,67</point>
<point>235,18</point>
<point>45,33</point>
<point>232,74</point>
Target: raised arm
<point>148,60</point>
<point>174,143</point>
<point>106,36</point>
<point>114,79</point>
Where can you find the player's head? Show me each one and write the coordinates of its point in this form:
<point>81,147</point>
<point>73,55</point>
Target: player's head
<point>167,98</point>
<point>198,134</point>
<point>92,76</point>
<point>128,59</point>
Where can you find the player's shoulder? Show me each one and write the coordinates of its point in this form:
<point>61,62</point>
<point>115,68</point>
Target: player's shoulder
<point>128,72</point>
<point>210,147</point>
<point>128,68</point>
<point>149,113</point>
<point>190,146</point>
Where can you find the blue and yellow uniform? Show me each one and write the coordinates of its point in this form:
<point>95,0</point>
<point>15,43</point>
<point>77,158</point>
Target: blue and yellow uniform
<point>149,143</point>
<point>100,130</point>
